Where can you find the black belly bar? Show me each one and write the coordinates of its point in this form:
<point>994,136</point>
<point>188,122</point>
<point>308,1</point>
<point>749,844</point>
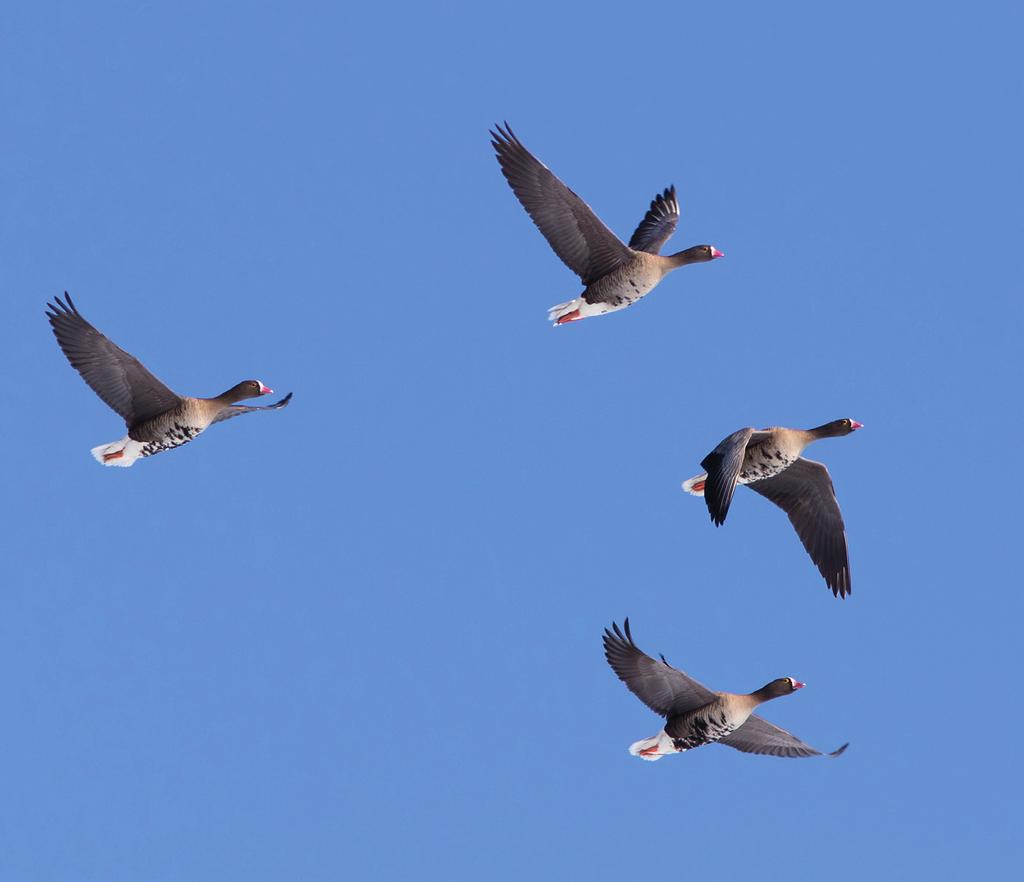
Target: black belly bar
<point>174,437</point>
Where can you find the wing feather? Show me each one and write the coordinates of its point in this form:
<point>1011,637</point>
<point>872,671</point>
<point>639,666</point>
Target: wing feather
<point>663,688</point>
<point>658,224</point>
<point>723,466</point>
<point>757,735</point>
<point>120,379</point>
<point>576,234</point>
<point>805,493</point>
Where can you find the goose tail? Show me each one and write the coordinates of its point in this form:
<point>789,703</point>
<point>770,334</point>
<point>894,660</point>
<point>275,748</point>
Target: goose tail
<point>653,748</point>
<point>570,311</point>
<point>121,453</point>
<point>695,485</point>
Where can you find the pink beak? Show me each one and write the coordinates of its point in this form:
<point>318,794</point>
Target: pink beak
<point>855,425</point>
<point>266,390</point>
<point>798,685</point>
<point>716,253</point>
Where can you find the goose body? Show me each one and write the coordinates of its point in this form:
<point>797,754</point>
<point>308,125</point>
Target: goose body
<point>179,425</point>
<point>769,461</point>
<point>615,275</point>
<point>622,287</point>
<point>157,418</point>
<point>695,715</point>
<point>708,723</point>
<point>171,429</point>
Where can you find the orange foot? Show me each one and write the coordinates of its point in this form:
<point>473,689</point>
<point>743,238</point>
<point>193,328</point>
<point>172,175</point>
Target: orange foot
<point>648,751</point>
<point>698,486</point>
<point>109,456</point>
<point>569,317</point>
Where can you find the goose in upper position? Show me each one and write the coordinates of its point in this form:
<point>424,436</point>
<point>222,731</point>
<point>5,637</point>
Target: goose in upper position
<point>615,275</point>
<point>157,418</point>
<point>769,461</point>
<point>694,714</point>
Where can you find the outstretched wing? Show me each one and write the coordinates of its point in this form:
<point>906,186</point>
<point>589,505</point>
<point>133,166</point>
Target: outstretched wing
<point>804,492</point>
<point>757,735</point>
<point>234,410</point>
<point>572,229</point>
<point>117,377</point>
<point>663,688</point>
<point>658,224</point>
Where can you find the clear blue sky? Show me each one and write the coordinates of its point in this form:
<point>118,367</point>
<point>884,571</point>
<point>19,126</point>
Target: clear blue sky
<point>360,638</point>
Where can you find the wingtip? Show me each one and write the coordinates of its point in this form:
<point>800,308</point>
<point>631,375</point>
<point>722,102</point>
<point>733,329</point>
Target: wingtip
<point>616,633</point>
<point>840,585</point>
<point>58,307</point>
<point>503,134</point>
<point>840,751</point>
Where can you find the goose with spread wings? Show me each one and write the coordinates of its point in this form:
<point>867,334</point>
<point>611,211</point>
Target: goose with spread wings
<point>694,715</point>
<point>768,461</point>
<point>157,418</point>
<point>615,275</point>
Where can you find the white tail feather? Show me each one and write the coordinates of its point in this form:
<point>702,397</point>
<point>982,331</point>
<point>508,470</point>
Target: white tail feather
<point>556,312</point>
<point>585,310</point>
<point>652,749</point>
<point>118,453</point>
<point>688,484</point>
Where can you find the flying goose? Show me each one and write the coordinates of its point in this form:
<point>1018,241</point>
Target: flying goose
<point>157,418</point>
<point>769,462</point>
<point>694,714</point>
<point>615,275</point>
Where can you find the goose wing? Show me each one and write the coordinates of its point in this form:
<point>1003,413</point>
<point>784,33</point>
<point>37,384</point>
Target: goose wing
<point>723,466</point>
<point>757,735</point>
<point>576,234</point>
<point>658,224</point>
<point>118,377</point>
<point>663,688</point>
<point>804,491</point>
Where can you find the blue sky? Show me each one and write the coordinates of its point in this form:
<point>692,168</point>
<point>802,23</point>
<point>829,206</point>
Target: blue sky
<point>360,638</point>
